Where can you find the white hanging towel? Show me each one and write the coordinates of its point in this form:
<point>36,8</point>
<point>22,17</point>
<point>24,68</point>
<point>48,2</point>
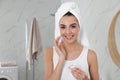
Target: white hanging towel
<point>34,46</point>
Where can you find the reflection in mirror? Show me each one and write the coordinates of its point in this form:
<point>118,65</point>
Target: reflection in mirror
<point>117,33</point>
<point>113,38</point>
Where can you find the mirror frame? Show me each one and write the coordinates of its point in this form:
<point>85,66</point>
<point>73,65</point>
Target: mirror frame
<point>112,43</point>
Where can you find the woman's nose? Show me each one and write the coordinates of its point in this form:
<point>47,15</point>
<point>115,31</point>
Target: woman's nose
<point>67,30</point>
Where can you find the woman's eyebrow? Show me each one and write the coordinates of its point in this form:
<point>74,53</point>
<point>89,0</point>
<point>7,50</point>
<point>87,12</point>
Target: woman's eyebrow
<point>61,25</point>
<point>73,24</point>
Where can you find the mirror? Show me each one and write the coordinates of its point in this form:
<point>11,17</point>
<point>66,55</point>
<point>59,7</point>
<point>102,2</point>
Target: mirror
<point>113,39</point>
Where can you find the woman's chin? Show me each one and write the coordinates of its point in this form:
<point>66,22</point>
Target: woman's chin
<point>70,41</point>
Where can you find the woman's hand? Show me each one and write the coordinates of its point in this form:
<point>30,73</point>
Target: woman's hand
<point>79,74</point>
<point>60,48</point>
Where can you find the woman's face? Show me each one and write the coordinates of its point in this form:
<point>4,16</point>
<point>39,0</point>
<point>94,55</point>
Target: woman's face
<point>69,28</point>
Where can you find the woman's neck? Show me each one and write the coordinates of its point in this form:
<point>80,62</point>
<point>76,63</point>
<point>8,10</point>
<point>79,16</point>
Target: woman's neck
<point>72,47</point>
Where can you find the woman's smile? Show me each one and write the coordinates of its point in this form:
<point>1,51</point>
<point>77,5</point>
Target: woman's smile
<point>69,37</point>
<point>69,28</point>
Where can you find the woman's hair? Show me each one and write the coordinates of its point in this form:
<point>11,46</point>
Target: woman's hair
<point>68,14</point>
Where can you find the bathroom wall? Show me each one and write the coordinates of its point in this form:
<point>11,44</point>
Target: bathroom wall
<point>13,16</point>
<point>96,18</point>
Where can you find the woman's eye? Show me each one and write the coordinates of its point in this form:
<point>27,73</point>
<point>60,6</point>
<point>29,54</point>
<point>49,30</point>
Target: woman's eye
<point>62,27</point>
<point>73,26</point>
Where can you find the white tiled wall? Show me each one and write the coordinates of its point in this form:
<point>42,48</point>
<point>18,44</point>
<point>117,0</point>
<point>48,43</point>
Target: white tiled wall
<point>96,16</point>
<point>13,16</point>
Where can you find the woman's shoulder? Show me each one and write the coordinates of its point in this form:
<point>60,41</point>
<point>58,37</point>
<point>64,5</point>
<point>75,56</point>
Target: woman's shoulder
<point>90,51</point>
<point>91,55</point>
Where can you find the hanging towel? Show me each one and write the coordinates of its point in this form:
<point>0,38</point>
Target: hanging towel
<point>34,46</point>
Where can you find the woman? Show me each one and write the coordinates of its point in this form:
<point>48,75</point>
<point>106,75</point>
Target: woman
<point>70,59</point>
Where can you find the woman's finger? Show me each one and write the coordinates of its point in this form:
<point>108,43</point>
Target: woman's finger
<point>56,46</point>
<point>62,48</point>
<point>79,70</point>
<point>59,47</point>
<point>78,74</point>
<point>56,41</point>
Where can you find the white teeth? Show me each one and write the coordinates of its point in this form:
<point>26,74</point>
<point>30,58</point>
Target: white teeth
<point>69,37</point>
